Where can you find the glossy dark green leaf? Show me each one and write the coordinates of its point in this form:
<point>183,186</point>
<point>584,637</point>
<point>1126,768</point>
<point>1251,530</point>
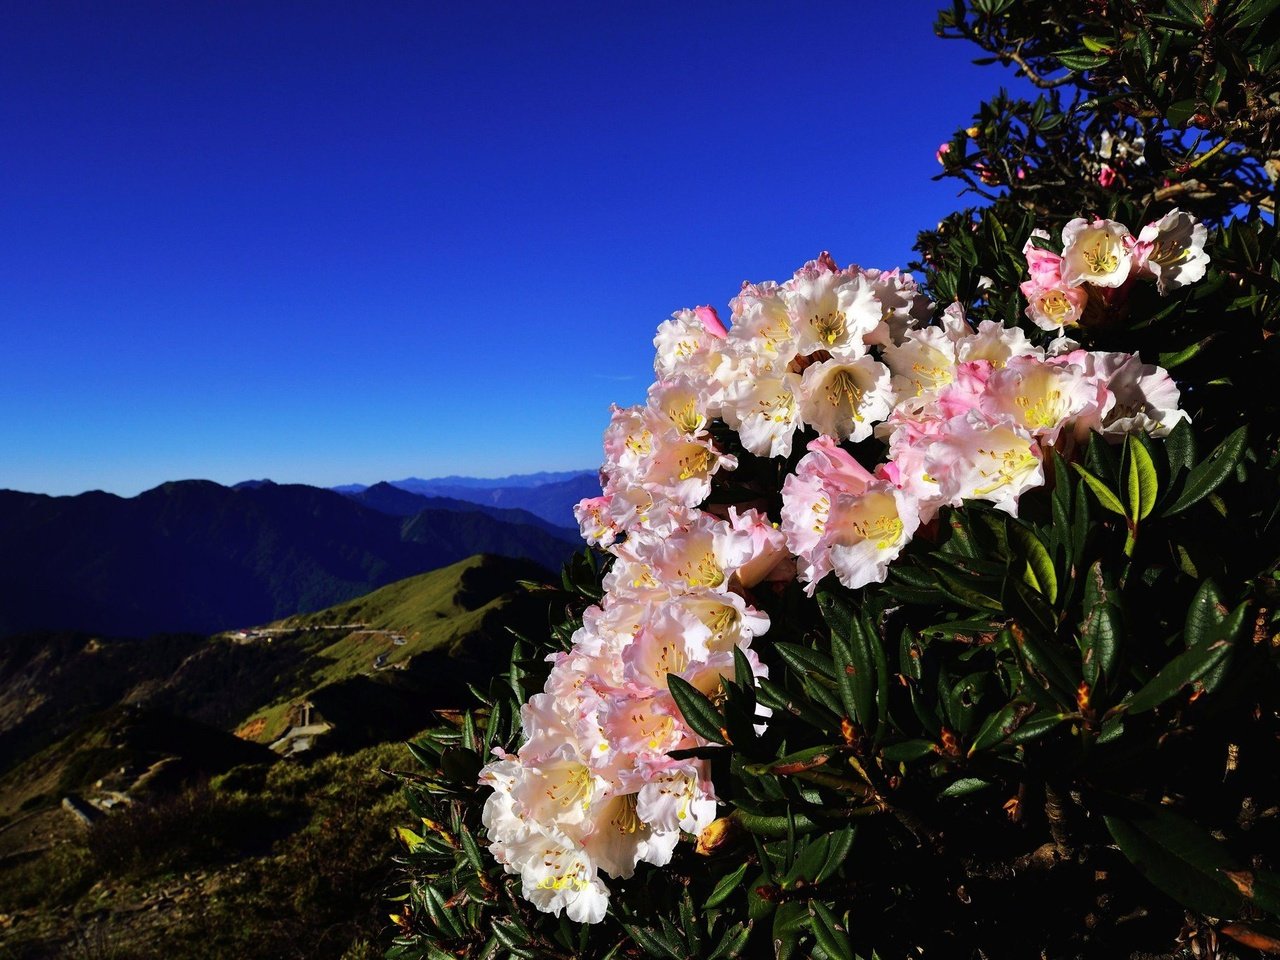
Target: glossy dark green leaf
<point>698,712</point>
<point>726,886</point>
<point>1102,627</point>
<point>1186,668</point>
<point>1177,857</point>
<point>1106,497</point>
<point>1207,476</point>
<point>965,786</point>
<point>841,842</point>
<point>829,932</point>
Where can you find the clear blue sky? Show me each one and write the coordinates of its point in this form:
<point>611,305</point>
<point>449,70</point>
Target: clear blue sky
<point>332,242</point>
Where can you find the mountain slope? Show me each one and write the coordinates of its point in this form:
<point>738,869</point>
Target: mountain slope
<point>388,498</point>
<point>199,557</point>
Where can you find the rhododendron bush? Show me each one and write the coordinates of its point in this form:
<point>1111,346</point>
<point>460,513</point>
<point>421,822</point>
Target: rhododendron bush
<point>926,617</point>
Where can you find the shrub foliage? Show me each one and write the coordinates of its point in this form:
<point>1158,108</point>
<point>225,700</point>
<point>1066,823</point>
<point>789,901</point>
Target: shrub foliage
<point>1050,736</point>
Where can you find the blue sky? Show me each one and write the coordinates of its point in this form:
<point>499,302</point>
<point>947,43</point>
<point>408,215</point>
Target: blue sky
<point>334,242</point>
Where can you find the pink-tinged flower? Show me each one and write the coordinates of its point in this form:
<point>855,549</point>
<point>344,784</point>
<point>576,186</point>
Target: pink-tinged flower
<point>831,310</point>
<point>763,408</point>
<point>702,555</point>
<point>825,472</point>
<point>716,622</point>
<point>903,307</point>
<point>766,548</point>
<point>1172,250</point>
<point>557,874</point>
<point>1055,307</point>
<point>680,468</point>
<point>867,531</point>
<point>548,723</point>
<point>1043,266</point>
<point>1097,253</point>
<point>975,459</point>
<point>996,344</point>
<point>685,345</point>
<point>628,441</point>
<point>678,797</point>
<point>943,150</point>
<point>1146,396</point>
<point>557,789</point>
<point>595,522</point>
<point>845,398</point>
<point>633,508</point>
<point>762,336</point>
<point>648,721</point>
<point>677,406</point>
<point>965,391</point>
<point>1043,398</point>
<point>923,363</point>
<point>711,321</point>
<point>1106,176</point>
<point>619,839</point>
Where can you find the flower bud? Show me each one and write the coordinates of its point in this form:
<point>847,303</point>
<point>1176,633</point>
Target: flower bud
<point>717,835</point>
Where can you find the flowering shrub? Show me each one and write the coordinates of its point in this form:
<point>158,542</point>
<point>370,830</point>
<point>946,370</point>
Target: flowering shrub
<point>918,620</point>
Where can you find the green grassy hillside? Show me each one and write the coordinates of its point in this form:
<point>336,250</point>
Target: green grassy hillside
<point>215,846</point>
<point>422,636</point>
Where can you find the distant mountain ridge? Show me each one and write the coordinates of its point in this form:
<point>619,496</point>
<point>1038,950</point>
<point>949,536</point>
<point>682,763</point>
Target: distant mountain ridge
<point>197,556</point>
<point>550,496</point>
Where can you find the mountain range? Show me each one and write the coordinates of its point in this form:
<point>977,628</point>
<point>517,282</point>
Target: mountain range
<point>196,556</point>
<point>550,496</point>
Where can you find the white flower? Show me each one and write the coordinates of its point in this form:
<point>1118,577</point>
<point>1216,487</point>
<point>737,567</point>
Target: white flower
<point>557,874</point>
<point>762,406</point>
<point>1042,398</point>
<point>619,839</point>
<point>845,398</point>
<point>995,343</point>
<point>1172,250</point>
<point>1097,253</point>
<point>923,363</point>
<point>762,335</point>
<point>975,459</point>
<point>831,309</point>
<point>867,531</point>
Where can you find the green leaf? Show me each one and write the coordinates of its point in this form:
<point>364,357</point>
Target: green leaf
<point>732,943</point>
<point>1180,447</point>
<point>965,786</point>
<point>841,842</point>
<point>1100,490</point>
<point>1143,483</point>
<point>1081,60</point>
<point>851,655</point>
<point>1187,667</point>
<point>727,884</point>
<point>1208,475</point>
<point>829,933</point>
<point>909,750</point>
<point>1179,113</point>
<point>786,919</point>
<point>698,712</point>
<point>802,659</point>
<point>1039,573</point>
<point>1036,726</point>
<point>998,726</point>
<point>1101,630</point>
<point>1177,857</point>
<point>1203,615</point>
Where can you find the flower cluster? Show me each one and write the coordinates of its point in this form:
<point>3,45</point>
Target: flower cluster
<point>807,369</point>
<point>1101,258</point>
